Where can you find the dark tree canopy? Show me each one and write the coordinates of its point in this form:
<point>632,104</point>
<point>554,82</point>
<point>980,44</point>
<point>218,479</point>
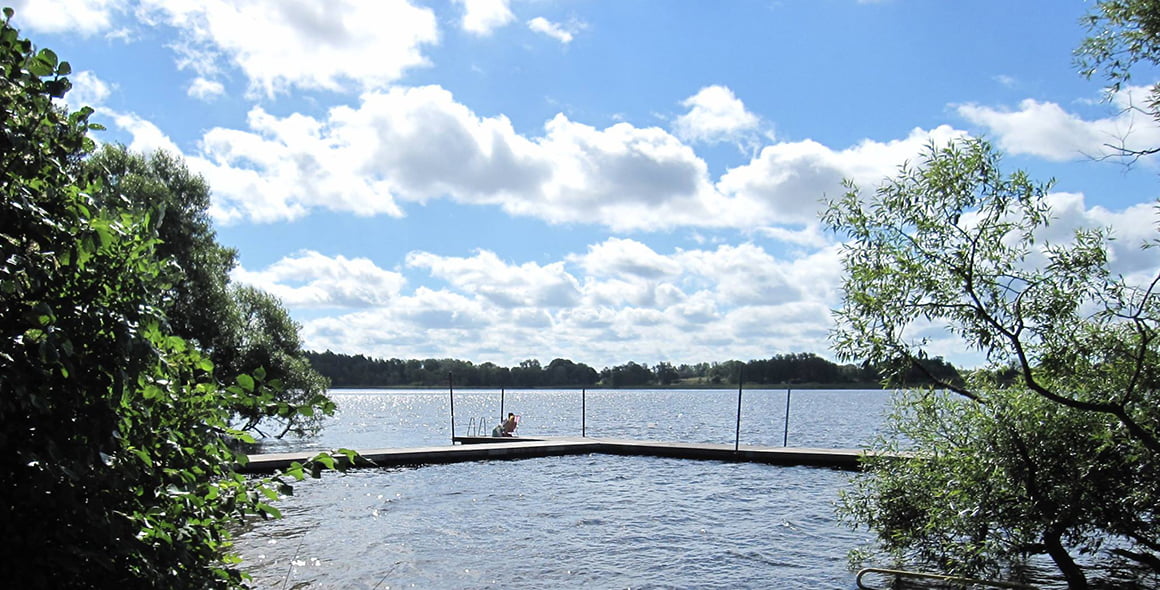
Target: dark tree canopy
<point>198,308</point>
<point>794,369</point>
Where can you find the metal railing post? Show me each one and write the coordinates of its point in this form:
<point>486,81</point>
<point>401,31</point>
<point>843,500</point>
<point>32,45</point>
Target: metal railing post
<point>785,436</point>
<point>451,397</point>
<point>740,381</point>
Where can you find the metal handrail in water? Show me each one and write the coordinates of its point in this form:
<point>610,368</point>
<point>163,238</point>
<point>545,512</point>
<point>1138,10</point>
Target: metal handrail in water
<point>939,577</point>
<point>478,428</point>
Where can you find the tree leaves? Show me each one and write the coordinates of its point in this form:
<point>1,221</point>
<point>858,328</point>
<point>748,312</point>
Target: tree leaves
<point>953,243</point>
<point>118,469</point>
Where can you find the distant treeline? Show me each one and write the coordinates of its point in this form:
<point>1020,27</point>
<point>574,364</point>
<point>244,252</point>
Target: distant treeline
<point>784,369</point>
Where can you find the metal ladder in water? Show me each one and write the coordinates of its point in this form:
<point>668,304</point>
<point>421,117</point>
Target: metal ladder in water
<point>479,428</point>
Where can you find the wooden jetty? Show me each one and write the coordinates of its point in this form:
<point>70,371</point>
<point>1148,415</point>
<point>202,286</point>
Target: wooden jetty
<point>481,448</point>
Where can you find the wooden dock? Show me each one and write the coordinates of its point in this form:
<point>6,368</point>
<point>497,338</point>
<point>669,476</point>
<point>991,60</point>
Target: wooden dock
<point>480,448</point>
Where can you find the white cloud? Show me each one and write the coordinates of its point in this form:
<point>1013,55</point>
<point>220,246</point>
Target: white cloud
<point>1129,228</point>
<point>416,144</point>
<point>502,284</point>
<point>85,17</point>
<point>147,137</point>
<point>1005,80</point>
<point>205,89</point>
<point>87,90</point>
<point>619,300</point>
<point>284,168</point>
<point>742,275</point>
<point>482,17</point>
<point>278,45</point>
<point>787,182</point>
<point>309,279</point>
<point>546,27</point>
<point>1046,130</point>
<point>627,258</point>
<point>715,115</point>
<point>599,307</point>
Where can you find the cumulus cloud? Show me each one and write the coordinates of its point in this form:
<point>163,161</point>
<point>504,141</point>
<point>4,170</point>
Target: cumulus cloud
<point>715,115</point>
<point>309,279</point>
<point>597,307</point>
<point>147,137</point>
<point>283,168</point>
<point>84,17</point>
<point>786,182</point>
<point>503,284</point>
<point>627,258</point>
<point>87,90</point>
<point>546,27</point>
<point>414,144</point>
<point>281,45</point>
<point>618,300</point>
<point>482,17</point>
<point>1129,228</point>
<point>1047,130</point>
<point>205,89</point>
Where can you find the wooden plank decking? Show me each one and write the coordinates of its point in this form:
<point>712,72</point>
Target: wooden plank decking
<point>490,448</point>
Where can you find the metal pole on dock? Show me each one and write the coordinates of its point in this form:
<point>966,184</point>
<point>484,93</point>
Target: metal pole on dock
<point>451,397</point>
<point>583,412</point>
<point>740,381</point>
<point>785,437</point>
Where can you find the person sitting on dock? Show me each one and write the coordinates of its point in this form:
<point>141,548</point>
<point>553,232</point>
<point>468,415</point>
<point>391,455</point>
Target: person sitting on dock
<point>509,425</point>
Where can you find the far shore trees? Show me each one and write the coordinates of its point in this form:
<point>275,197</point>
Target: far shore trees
<point>794,369</point>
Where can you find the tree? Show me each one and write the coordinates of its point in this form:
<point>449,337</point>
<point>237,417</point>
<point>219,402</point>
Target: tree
<point>265,338</point>
<point>240,329</point>
<point>1065,459</point>
<point>116,468</point>
<point>115,472</point>
<point>199,307</point>
<point>665,373</point>
<point>630,374</point>
<point>1122,35</point>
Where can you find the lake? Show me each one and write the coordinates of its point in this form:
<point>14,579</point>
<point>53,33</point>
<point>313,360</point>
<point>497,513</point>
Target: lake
<point>591,521</point>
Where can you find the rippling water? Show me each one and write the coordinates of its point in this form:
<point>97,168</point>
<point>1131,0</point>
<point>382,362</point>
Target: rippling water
<point>591,521</point>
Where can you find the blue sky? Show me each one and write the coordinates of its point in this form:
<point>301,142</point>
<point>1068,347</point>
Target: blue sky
<point>500,180</point>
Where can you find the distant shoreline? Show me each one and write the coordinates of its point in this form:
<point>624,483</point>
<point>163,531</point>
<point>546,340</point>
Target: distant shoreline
<point>684,387</point>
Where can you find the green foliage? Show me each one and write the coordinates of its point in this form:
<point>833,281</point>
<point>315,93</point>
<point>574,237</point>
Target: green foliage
<point>116,468</point>
<point>1059,456</point>
<point>993,483</point>
<point>242,330</point>
<point>198,307</point>
<point>1122,36</point>
<point>264,337</point>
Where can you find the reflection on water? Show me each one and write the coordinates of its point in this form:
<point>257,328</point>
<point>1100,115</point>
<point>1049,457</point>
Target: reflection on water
<point>571,522</point>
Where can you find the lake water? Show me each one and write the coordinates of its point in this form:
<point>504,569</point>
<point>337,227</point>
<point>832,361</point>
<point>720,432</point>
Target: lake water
<point>593,521</point>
